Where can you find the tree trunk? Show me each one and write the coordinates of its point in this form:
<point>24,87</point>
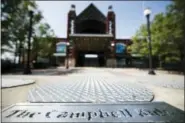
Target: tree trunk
<point>182,62</point>
<point>19,61</point>
<point>160,61</point>
<point>15,54</point>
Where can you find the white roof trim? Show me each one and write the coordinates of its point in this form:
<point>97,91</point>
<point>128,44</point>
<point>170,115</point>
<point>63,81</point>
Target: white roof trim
<point>59,54</point>
<point>61,43</point>
<point>91,35</point>
<point>91,56</point>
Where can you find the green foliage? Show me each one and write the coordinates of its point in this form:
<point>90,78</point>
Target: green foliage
<point>15,20</point>
<point>43,43</point>
<point>171,59</point>
<point>167,33</point>
<point>140,44</point>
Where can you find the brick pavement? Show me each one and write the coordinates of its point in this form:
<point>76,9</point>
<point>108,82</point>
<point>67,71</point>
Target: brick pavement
<point>90,85</point>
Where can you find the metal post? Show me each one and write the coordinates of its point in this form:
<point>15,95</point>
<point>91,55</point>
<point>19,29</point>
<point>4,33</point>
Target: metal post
<point>67,57</point>
<point>151,71</point>
<point>27,70</point>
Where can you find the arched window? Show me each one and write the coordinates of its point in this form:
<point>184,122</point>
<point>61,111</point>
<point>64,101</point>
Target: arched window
<point>61,47</point>
<point>120,48</point>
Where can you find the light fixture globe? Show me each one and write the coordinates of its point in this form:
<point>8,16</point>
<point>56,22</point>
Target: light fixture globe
<point>147,12</point>
<point>112,44</point>
<point>68,43</point>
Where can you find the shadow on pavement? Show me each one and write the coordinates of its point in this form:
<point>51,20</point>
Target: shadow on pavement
<point>46,72</point>
<point>69,71</point>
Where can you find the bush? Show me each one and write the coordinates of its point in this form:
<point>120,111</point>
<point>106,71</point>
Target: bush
<point>40,65</point>
<point>7,66</point>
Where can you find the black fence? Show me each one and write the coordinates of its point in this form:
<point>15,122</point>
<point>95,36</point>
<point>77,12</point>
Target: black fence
<point>143,63</point>
<point>135,62</point>
<point>7,66</point>
<point>178,66</point>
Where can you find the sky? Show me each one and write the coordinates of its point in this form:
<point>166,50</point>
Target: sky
<point>129,14</point>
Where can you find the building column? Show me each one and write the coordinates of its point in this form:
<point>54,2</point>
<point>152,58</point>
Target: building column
<point>71,56</point>
<point>111,61</point>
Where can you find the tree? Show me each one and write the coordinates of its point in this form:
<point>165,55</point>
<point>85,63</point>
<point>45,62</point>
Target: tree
<point>167,33</point>
<point>176,12</point>
<point>42,45</point>
<point>8,8</point>
<point>15,23</point>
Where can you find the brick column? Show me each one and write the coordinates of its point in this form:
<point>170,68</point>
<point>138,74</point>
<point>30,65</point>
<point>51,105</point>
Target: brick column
<point>111,17</point>
<point>111,61</point>
<point>71,16</point>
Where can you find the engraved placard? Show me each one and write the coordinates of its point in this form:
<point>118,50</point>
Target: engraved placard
<point>87,112</point>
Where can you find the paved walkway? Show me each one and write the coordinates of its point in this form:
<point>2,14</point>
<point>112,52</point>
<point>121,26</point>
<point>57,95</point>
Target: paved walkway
<point>90,88</point>
<point>160,79</point>
<point>97,85</point>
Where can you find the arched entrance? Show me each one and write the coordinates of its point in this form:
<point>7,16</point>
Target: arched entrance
<point>92,40</point>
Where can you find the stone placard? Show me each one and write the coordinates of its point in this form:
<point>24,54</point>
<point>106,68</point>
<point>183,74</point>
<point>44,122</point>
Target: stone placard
<point>88,112</point>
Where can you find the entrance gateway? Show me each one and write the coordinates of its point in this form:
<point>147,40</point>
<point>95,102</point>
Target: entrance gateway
<point>91,32</point>
<point>92,60</point>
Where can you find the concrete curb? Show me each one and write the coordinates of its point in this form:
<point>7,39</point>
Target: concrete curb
<point>11,85</point>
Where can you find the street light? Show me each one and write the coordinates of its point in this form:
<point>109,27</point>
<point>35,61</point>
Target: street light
<point>112,44</point>
<point>112,47</point>
<point>67,65</point>
<point>112,50</point>
<point>147,13</point>
<point>27,69</point>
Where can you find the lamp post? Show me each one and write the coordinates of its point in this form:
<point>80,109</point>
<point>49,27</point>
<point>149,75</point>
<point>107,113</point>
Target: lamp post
<point>67,54</point>
<point>27,69</point>
<point>147,13</point>
<point>112,44</point>
<point>112,47</point>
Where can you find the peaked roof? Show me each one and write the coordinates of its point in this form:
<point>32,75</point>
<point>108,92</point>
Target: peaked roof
<point>91,13</point>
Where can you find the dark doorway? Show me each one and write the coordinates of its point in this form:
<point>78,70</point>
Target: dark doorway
<point>82,61</point>
<point>91,62</point>
<point>101,59</point>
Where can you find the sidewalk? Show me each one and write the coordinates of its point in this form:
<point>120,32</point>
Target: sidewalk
<point>48,71</point>
<point>98,85</point>
<point>14,82</point>
<point>161,79</point>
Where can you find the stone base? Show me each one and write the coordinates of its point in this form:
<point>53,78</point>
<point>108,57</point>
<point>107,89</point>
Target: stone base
<point>71,62</point>
<point>111,63</point>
